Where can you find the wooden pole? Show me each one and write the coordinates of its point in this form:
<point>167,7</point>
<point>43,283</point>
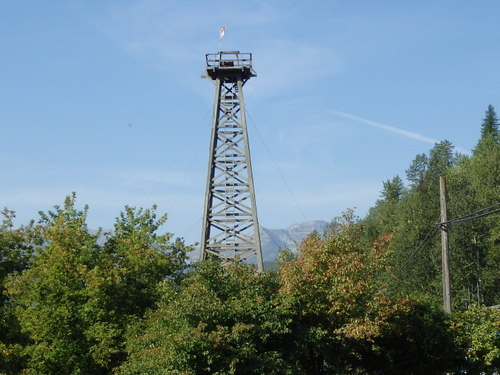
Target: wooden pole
<point>444,247</point>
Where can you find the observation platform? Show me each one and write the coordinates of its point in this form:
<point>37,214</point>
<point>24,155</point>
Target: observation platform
<point>229,65</point>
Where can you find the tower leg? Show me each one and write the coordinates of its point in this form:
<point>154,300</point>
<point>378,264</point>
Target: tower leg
<point>230,228</point>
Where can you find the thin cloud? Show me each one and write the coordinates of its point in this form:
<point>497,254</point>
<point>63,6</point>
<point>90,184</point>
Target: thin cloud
<point>170,35</point>
<point>392,129</point>
<point>167,33</point>
<point>278,70</point>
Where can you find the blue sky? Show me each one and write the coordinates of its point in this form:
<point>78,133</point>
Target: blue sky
<point>105,98</point>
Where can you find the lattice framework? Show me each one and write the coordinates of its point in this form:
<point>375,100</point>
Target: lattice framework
<point>230,228</point>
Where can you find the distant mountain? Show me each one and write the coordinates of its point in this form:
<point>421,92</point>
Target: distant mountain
<point>271,239</point>
<point>274,239</point>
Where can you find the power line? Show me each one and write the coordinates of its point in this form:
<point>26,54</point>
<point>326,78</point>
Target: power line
<point>188,170</point>
<point>469,217</point>
<point>437,225</point>
<point>429,234</point>
<point>174,161</point>
<point>276,166</point>
<point>479,211</point>
<point>458,220</point>
<point>410,257</point>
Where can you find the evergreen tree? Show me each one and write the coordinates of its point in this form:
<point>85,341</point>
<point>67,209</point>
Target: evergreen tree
<point>417,255</point>
<point>473,184</point>
<point>484,167</point>
<point>489,127</point>
<point>483,172</point>
<point>393,190</point>
<point>383,217</point>
<point>415,174</point>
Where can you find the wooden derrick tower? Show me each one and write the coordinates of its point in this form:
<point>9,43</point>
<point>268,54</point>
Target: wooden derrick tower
<point>230,229</point>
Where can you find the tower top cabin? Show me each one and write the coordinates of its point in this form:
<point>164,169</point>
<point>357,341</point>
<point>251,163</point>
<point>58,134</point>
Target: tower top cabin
<point>229,66</point>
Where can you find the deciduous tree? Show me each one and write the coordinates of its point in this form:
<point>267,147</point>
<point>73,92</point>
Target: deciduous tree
<point>221,320</point>
<point>77,297</point>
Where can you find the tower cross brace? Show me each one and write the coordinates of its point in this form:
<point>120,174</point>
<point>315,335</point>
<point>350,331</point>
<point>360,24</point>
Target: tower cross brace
<point>230,228</point>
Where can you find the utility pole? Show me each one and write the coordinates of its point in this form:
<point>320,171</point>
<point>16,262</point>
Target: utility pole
<point>230,229</point>
<point>444,246</point>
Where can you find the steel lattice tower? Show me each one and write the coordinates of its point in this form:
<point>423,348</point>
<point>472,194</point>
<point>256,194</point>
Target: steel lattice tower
<point>230,228</point>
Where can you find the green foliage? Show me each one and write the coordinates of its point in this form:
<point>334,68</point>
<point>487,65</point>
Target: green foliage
<point>221,320</point>
<point>393,190</point>
<point>57,299</point>
<point>334,274</point>
<point>489,127</point>
<point>77,297</point>
<point>345,322</point>
<point>364,298</point>
<point>16,247</point>
<point>327,311</point>
<point>416,340</point>
<point>142,258</point>
<point>415,174</point>
<point>324,313</point>
<point>477,331</point>
<point>416,258</point>
<point>473,183</point>
<point>383,217</point>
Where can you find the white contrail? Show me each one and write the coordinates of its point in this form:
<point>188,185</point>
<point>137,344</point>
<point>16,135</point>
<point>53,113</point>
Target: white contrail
<point>404,133</point>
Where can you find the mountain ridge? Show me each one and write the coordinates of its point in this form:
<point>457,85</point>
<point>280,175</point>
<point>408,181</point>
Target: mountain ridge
<point>274,239</point>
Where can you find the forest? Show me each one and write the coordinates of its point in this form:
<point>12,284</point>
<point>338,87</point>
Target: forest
<point>365,297</point>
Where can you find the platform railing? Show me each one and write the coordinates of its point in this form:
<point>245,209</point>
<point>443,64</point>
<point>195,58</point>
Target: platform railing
<point>228,59</point>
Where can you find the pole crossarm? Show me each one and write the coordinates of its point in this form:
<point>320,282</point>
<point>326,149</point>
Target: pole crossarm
<point>230,229</point>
